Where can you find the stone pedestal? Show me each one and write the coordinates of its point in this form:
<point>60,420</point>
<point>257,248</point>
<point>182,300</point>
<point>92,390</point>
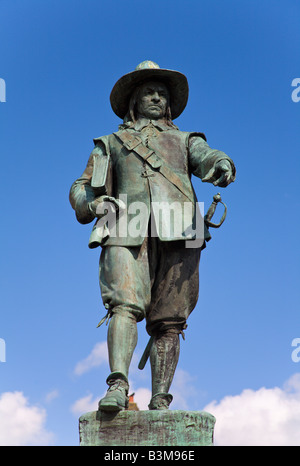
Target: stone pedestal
<point>147,428</point>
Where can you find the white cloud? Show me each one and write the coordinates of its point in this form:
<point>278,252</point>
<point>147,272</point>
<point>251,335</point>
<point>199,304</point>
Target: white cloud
<point>85,404</point>
<point>265,417</point>
<point>97,356</point>
<point>182,389</point>
<point>51,396</point>
<point>20,423</point>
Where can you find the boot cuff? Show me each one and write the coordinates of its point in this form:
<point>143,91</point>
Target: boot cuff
<point>116,376</point>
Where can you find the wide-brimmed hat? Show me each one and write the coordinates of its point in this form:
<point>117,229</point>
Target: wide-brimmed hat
<point>148,70</point>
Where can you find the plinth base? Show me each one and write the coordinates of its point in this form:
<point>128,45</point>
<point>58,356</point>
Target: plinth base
<point>147,428</point>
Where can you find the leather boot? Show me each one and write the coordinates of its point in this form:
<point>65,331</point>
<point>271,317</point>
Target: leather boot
<point>160,401</point>
<point>164,357</point>
<point>116,398</point>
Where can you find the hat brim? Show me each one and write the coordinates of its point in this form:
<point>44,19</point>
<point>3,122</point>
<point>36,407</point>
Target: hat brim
<point>175,81</point>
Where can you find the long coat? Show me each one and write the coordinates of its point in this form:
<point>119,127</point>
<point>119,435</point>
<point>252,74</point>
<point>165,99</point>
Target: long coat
<point>151,172</point>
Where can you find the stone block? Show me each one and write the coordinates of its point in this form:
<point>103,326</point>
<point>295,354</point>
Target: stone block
<point>147,428</point>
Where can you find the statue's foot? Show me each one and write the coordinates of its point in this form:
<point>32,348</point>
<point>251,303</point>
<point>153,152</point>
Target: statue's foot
<point>160,401</point>
<point>116,398</point>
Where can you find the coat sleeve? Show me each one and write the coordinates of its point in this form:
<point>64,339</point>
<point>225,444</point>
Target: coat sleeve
<point>203,159</point>
<point>81,193</point>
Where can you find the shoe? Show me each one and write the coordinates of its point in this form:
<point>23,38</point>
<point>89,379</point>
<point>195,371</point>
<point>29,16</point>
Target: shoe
<point>116,398</point>
<point>160,401</point>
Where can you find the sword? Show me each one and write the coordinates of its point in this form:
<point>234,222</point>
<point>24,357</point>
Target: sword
<point>146,354</point>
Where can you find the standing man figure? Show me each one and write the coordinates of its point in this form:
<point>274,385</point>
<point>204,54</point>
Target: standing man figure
<point>151,272</point>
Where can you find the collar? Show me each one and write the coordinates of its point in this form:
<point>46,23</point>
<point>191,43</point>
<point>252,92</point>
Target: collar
<point>143,122</point>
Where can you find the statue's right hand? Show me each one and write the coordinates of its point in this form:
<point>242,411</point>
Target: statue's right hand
<point>105,204</point>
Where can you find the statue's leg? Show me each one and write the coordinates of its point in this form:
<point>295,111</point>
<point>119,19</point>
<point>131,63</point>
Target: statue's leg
<point>121,342</point>
<point>174,296</point>
<point>164,357</point>
<point>125,291</point>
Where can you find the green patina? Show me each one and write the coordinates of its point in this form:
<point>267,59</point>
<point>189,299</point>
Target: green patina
<point>147,274</point>
<point>147,428</point>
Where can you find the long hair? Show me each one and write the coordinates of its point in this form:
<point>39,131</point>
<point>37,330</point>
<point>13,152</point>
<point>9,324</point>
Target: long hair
<point>131,115</point>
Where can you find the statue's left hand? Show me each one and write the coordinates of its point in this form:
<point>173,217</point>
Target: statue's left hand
<point>104,204</point>
<point>223,173</point>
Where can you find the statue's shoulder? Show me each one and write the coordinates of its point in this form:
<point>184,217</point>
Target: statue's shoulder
<point>111,141</point>
<point>122,131</point>
<point>197,134</point>
<point>186,136</point>
<point>103,144</point>
<point>102,139</point>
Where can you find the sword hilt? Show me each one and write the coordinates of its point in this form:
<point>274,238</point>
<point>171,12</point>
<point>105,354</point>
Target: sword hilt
<point>211,211</point>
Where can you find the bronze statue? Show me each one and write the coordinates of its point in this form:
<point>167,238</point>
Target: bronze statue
<point>150,271</point>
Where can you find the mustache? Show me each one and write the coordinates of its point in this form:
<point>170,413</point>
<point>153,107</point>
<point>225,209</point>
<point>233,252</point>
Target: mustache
<point>155,105</point>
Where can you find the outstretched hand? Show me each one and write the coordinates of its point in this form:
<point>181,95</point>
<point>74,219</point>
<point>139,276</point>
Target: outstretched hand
<point>223,174</point>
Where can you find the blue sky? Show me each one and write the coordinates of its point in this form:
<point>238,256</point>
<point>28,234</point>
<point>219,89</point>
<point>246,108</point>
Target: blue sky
<point>60,60</point>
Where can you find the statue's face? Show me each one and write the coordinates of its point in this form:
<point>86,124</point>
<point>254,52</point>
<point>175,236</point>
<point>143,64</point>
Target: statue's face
<point>152,100</point>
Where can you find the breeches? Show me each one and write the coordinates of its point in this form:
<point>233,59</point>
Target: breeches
<point>158,281</point>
